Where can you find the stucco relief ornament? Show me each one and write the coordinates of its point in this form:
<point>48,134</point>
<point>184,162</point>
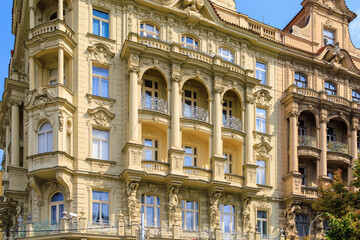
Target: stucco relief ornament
<point>61,120</point>
<point>247,227</point>
<point>174,211</point>
<point>132,201</point>
<point>101,53</point>
<point>192,9</point>
<point>291,224</point>
<point>214,211</point>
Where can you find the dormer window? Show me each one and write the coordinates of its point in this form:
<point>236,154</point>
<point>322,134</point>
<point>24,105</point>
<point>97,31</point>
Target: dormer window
<point>329,37</point>
<point>330,88</point>
<point>148,30</point>
<point>189,42</point>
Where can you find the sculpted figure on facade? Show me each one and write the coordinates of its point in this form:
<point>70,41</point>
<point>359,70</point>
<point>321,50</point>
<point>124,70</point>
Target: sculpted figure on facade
<point>214,211</point>
<point>319,228</point>
<point>174,211</point>
<point>133,206</point>
<point>291,224</point>
<point>247,227</point>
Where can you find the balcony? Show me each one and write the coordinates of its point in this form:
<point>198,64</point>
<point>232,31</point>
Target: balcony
<point>50,160</point>
<point>51,27</point>
<point>197,173</point>
<point>234,179</point>
<point>232,123</point>
<point>155,167</point>
<point>154,104</point>
<point>195,113</point>
<point>339,147</point>
<point>307,141</point>
<point>309,192</point>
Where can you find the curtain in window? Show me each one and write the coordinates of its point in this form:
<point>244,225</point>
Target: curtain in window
<point>105,212</point>
<point>96,212</point>
<point>41,143</point>
<point>95,148</point>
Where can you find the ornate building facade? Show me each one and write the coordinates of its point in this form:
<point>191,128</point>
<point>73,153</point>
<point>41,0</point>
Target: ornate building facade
<point>184,117</point>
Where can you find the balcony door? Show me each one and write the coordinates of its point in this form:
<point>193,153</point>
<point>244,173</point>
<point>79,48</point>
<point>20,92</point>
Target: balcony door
<point>302,128</point>
<point>330,136</point>
<point>189,102</point>
<point>227,109</point>
<point>150,93</point>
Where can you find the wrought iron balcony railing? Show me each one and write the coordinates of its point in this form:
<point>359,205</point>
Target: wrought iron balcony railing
<point>196,113</point>
<point>154,104</point>
<point>340,147</point>
<point>232,122</point>
<point>308,141</point>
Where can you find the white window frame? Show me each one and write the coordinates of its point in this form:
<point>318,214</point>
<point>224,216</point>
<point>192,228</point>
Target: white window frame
<point>101,20</point>
<point>101,140</point>
<point>196,213</point>
<point>195,45</point>
<point>229,164</point>
<point>100,77</point>
<point>156,207</point>
<point>154,149</point>
<point>146,33</point>
<point>262,221</point>
<point>226,54</point>
<point>261,172</point>
<point>232,217</point>
<point>45,132</point>
<point>259,119</point>
<point>263,81</point>
<point>57,204</point>
<point>193,155</point>
<point>100,206</point>
<point>327,40</point>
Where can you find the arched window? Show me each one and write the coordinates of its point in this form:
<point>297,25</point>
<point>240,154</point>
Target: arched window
<point>45,138</point>
<point>149,30</point>
<point>226,54</point>
<point>56,207</point>
<point>300,80</point>
<point>53,16</point>
<point>355,96</point>
<point>330,88</point>
<point>189,42</point>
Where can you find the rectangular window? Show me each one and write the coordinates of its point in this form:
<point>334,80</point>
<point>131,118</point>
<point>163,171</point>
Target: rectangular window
<point>150,207</point>
<point>100,23</point>
<point>100,144</point>
<point>227,218</point>
<point>228,163</point>
<point>53,75</point>
<point>100,207</point>
<point>190,156</point>
<point>190,215</point>
<point>329,37</point>
<point>151,150</point>
<point>261,120</point>
<point>302,224</point>
<point>261,172</point>
<point>262,223</point>
<point>303,176</point>
<point>100,81</point>
<point>261,72</point>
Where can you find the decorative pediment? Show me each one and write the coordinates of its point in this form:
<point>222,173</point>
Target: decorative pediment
<point>262,149</point>
<point>336,6</point>
<point>337,59</point>
<point>101,53</point>
<point>263,98</point>
<point>101,116</point>
<point>40,97</point>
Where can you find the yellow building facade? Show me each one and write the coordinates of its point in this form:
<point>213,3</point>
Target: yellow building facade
<point>183,118</point>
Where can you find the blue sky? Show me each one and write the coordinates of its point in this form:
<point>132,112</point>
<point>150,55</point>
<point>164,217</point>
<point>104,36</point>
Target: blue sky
<point>276,13</point>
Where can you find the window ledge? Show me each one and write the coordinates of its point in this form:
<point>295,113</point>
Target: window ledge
<point>91,96</point>
<point>264,186</point>
<point>50,153</point>
<point>100,161</point>
<point>101,38</point>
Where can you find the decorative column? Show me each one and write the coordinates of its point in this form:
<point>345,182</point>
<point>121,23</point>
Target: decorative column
<point>353,147</point>
<point>60,10</point>
<point>32,17</point>
<point>293,135</point>
<point>323,143</point>
<point>176,152</point>
<point>32,80</point>
<point>60,65</point>
<point>15,131</point>
<point>217,119</point>
<point>250,164</point>
<point>7,143</point>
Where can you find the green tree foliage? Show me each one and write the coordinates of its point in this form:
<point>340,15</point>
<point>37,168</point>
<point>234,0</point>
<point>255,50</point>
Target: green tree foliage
<point>341,207</point>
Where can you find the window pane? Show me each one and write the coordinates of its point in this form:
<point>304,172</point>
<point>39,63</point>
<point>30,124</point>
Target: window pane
<point>150,200</point>
<point>189,220</point>
<point>189,205</point>
<point>96,27</point>
<point>105,212</point>
<point>150,216</point>
<point>61,210</point>
<point>41,143</point>
<point>260,112</point>
<point>100,71</point>
<point>96,86</point>
<point>104,88</point>
<point>57,197</point>
<point>95,149</point>
<point>105,29</point>
<point>96,212</point>
<point>188,161</point>
<point>49,142</point>
<point>148,155</point>
<point>53,214</point>
<point>105,150</point>
<point>158,216</point>
<point>148,143</point>
<point>260,65</point>
<point>101,14</point>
